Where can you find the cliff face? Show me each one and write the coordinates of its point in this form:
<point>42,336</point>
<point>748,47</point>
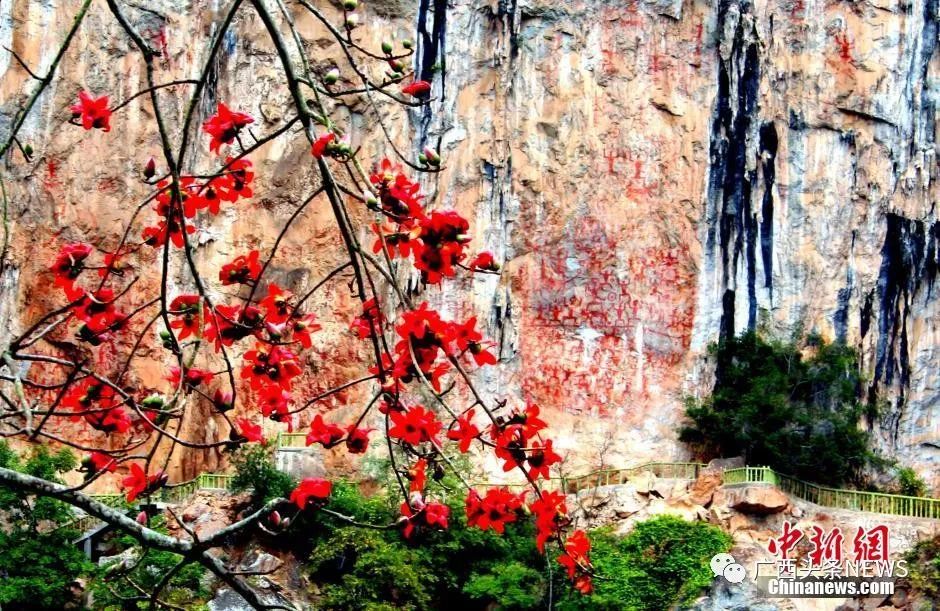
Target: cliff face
<point>653,174</point>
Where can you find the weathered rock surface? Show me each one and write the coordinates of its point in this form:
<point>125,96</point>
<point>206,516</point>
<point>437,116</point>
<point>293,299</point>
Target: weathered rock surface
<point>652,174</point>
<point>757,500</point>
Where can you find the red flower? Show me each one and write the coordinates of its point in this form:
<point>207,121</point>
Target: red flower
<point>94,112</point>
<point>244,269</point>
<point>267,365</point>
<point>186,310</point>
<point>113,420</point>
<point>312,491</point>
<point>138,482</point>
<point>251,432</point>
<point>431,514</point>
<point>494,510</point>
<point>549,511</point>
<point>225,324</point>
<point>97,462</point>
<point>436,514</point>
<point>357,440</point>
<point>576,549</point>
<point>417,475</point>
<point>224,125</point>
<point>321,432</point>
<point>303,326</point>
<point>274,403</point>
<point>541,458</point>
<point>321,144</point>
<point>370,318</point>
<point>464,431</point>
<point>276,304</point>
<point>193,377</point>
<point>484,261</point>
<point>584,584</point>
<point>68,265</point>
<point>415,425</point>
<point>417,89</point>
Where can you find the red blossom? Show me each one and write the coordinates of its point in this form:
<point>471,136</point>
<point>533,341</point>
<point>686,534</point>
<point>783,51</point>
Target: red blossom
<point>97,462</point>
<point>541,458</point>
<point>321,432</point>
<point>225,324</point>
<point>485,262</point>
<point>274,402</point>
<point>266,365</point>
<point>224,126</point>
<point>138,482</point>
<point>303,327</point>
<point>68,265</point>
<point>494,510</point>
<point>276,304</point>
<point>251,432</point>
<point>464,431</point>
<point>417,89</point>
<point>244,269</point>
<point>575,556</point>
<point>94,112</point>
<point>312,491</point>
<point>549,510</point>
<point>185,309</point>
<point>193,377</point>
<point>430,514</point>
<point>357,440</point>
<point>415,425</point>
<point>417,475</point>
<point>321,144</point>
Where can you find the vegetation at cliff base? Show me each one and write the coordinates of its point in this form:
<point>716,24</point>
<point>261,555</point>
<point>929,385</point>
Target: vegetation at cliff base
<point>791,407</point>
<point>38,561</point>
<point>662,563</point>
<point>924,564</point>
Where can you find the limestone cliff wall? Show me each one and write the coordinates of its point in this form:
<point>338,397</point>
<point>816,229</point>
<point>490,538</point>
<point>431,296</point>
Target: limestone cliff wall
<point>653,173</point>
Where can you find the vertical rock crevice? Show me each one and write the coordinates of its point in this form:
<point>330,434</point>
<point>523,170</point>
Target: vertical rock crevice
<point>734,154</point>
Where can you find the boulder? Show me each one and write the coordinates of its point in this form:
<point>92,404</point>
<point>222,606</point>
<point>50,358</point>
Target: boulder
<point>703,489</point>
<point>720,464</point>
<point>760,500</point>
<point>257,561</point>
<point>643,482</point>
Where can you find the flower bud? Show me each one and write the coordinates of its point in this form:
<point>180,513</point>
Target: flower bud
<point>371,199</point>
<point>222,401</point>
<point>154,401</point>
<point>164,335</point>
<point>350,5</point>
<point>432,156</point>
<point>407,43</point>
<point>142,518</point>
<point>150,169</point>
<point>396,66</point>
<point>423,158</point>
<point>331,76</point>
<point>28,149</point>
<point>387,47</point>
<point>352,21</point>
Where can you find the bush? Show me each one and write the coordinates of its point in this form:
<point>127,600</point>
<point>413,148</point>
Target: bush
<point>798,416</point>
<point>256,472</point>
<point>113,590</point>
<point>909,483</point>
<point>924,563</point>
<point>662,563</point>
<point>38,561</point>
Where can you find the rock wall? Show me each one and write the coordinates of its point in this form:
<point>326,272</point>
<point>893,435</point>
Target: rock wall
<point>653,173</point>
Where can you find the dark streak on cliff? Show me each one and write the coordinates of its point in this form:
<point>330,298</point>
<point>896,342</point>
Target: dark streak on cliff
<point>730,181</point>
<point>909,263</point>
<point>432,39</point>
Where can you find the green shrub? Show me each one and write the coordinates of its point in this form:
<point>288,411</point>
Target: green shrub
<point>38,561</point>
<point>663,562</point>
<point>256,472</point>
<point>112,587</point>
<point>924,564</point>
<point>509,585</point>
<point>797,415</point>
<point>909,483</point>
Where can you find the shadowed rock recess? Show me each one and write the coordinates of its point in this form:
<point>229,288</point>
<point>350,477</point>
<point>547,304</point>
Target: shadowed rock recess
<point>653,173</point>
